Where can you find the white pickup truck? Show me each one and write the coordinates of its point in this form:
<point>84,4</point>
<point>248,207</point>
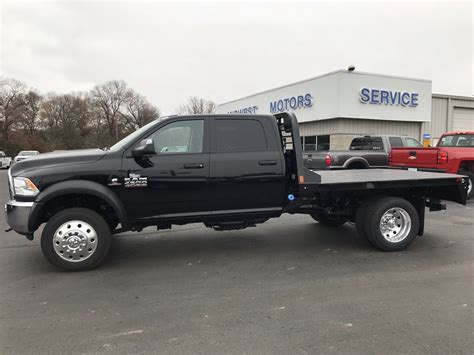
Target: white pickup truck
<point>5,162</point>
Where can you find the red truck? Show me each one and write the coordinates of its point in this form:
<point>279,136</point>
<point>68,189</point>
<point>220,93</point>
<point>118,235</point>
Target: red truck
<point>453,154</point>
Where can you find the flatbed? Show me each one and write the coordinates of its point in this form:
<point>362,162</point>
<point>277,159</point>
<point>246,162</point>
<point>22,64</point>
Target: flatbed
<point>379,175</point>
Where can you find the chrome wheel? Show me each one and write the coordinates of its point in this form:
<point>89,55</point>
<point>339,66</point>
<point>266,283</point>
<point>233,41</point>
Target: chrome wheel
<point>469,186</point>
<point>395,225</point>
<point>75,241</point>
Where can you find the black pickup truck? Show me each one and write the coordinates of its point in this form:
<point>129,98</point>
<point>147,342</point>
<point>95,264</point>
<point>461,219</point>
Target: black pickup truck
<point>364,152</point>
<point>227,171</point>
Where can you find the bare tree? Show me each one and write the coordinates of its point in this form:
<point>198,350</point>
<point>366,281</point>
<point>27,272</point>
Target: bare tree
<point>138,111</point>
<point>196,105</point>
<point>11,103</point>
<point>109,98</point>
<point>30,111</point>
<point>66,121</point>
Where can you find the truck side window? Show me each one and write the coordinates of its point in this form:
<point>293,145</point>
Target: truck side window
<point>413,143</point>
<point>395,142</point>
<point>180,137</point>
<point>235,135</point>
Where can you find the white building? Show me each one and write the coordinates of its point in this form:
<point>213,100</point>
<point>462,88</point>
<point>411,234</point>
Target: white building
<point>334,107</point>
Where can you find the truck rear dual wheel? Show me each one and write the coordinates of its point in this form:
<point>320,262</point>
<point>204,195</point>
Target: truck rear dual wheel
<point>389,223</point>
<point>76,239</point>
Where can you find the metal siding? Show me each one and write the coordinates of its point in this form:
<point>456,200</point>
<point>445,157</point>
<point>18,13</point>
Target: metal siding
<point>462,103</point>
<point>439,118</point>
<point>463,119</point>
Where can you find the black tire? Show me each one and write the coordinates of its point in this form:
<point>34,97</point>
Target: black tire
<point>360,219</point>
<point>327,220</point>
<point>373,216</point>
<point>471,182</point>
<point>101,236</point>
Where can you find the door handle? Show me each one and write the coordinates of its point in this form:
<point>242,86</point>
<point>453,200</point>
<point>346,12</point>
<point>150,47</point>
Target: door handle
<point>267,162</point>
<point>194,166</point>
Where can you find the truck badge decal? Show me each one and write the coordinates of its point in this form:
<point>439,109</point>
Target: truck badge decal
<point>114,182</point>
<point>135,180</point>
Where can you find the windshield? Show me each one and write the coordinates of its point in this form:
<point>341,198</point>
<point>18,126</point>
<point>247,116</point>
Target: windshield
<point>28,152</point>
<point>457,140</point>
<point>133,136</point>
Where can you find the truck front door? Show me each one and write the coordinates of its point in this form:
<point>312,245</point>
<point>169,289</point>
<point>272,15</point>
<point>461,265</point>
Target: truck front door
<point>173,183</point>
<point>246,166</point>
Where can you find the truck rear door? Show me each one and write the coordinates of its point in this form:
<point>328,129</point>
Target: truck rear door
<point>247,169</point>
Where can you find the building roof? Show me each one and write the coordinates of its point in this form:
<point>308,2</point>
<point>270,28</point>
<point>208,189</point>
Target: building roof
<point>323,75</point>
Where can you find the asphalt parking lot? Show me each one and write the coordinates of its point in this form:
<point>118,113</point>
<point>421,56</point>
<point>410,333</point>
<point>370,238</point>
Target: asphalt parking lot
<point>287,286</point>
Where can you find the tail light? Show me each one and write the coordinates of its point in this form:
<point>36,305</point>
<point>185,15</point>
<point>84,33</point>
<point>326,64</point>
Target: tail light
<point>442,157</point>
<point>327,160</point>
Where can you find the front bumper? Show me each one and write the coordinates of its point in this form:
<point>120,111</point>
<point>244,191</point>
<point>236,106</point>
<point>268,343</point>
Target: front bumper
<point>17,214</point>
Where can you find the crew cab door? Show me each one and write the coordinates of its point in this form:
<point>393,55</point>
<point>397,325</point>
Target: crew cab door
<point>246,166</point>
<point>173,182</point>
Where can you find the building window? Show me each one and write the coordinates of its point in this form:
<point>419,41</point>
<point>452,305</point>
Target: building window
<point>311,143</point>
<point>324,142</point>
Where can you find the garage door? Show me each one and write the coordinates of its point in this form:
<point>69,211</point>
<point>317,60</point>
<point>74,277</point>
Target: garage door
<point>463,119</point>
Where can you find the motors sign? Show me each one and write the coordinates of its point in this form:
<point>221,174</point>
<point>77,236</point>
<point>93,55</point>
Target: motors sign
<point>281,105</point>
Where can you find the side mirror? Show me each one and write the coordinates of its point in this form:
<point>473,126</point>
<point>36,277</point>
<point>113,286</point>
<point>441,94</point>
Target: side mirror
<point>146,147</point>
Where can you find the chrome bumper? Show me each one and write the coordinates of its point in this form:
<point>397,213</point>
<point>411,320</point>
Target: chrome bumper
<point>17,214</point>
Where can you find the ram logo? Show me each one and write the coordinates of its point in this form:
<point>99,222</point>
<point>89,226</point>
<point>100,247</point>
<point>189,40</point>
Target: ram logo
<point>135,181</point>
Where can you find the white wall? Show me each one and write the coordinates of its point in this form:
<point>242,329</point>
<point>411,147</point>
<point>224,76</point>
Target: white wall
<point>337,94</point>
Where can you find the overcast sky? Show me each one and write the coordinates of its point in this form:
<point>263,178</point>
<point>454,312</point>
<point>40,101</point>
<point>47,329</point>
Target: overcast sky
<point>223,51</point>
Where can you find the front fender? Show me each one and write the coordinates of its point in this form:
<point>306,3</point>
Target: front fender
<point>77,187</point>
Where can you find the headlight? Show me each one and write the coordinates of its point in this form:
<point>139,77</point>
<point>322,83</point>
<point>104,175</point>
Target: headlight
<point>24,187</point>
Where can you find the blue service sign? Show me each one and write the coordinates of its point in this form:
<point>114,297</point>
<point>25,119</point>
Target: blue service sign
<point>388,97</point>
<point>426,136</point>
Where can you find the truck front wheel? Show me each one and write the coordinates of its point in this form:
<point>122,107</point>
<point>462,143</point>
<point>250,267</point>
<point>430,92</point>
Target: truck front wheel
<point>76,239</point>
<point>329,221</point>
<point>391,223</point>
